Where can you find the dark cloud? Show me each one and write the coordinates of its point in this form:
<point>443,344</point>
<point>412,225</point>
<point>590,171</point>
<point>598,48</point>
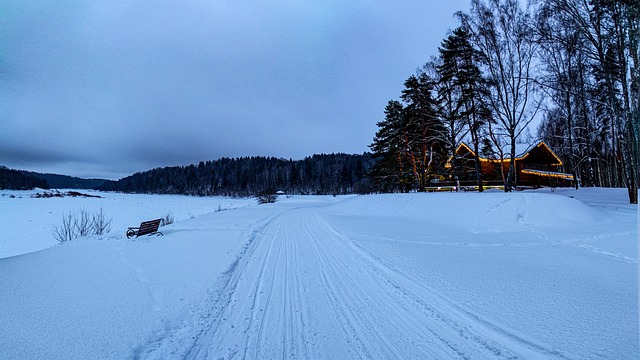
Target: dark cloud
<point>94,88</point>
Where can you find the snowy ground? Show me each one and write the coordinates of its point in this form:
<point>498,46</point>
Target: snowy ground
<point>532,275</point>
<point>28,229</point>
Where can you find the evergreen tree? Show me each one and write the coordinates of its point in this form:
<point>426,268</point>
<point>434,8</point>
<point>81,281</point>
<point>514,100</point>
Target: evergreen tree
<point>389,151</point>
<point>319,174</point>
<point>459,68</point>
<point>423,131</point>
<point>449,111</point>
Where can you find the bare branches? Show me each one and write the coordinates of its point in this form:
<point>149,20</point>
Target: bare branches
<point>66,231</point>
<point>99,223</point>
<point>502,31</point>
<point>80,224</point>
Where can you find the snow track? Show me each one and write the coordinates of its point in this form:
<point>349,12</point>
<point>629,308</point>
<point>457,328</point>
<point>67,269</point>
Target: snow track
<point>302,289</point>
<point>527,275</point>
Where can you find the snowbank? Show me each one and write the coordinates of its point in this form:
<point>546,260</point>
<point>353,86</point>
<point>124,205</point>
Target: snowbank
<point>490,209</point>
<point>530,275</point>
<point>31,220</point>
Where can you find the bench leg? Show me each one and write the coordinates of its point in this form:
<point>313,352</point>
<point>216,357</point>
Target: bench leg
<point>157,233</point>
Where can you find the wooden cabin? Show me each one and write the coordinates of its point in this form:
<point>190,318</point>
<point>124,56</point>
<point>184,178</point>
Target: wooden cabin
<point>537,166</point>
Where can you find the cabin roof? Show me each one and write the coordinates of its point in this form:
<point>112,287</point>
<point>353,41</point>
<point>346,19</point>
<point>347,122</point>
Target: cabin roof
<point>538,147</point>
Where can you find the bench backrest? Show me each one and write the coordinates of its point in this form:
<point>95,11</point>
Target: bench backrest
<point>149,227</point>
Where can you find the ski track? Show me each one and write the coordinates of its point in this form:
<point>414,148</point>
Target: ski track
<point>302,289</point>
<point>577,242</point>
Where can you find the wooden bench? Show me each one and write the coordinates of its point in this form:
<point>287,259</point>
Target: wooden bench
<point>146,227</point>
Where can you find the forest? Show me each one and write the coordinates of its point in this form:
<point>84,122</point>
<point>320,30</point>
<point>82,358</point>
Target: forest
<point>16,180</point>
<point>248,176</point>
<point>66,182</point>
<point>562,71</point>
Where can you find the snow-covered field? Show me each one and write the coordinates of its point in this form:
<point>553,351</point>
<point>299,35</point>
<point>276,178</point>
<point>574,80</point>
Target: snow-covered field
<point>532,275</point>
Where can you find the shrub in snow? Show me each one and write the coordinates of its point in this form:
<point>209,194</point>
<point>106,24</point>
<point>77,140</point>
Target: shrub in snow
<point>266,197</point>
<point>101,225</point>
<point>168,219</point>
<point>66,230</point>
<point>80,224</point>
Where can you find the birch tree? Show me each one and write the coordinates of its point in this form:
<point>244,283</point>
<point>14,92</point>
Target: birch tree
<point>609,36</point>
<point>501,30</point>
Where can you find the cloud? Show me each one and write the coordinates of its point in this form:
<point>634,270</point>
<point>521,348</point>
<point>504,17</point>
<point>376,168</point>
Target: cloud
<point>133,84</point>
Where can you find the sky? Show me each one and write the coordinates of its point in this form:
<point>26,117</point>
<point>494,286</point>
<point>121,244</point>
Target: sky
<point>109,88</point>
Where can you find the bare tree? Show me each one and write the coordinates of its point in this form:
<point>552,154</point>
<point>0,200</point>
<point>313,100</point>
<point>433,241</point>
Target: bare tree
<point>608,37</point>
<point>502,31</point>
<point>561,56</point>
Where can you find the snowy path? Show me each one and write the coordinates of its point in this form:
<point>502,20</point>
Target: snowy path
<point>302,289</point>
<point>527,275</point>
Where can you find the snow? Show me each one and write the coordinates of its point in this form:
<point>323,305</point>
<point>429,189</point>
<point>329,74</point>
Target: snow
<point>530,275</point>
<point>30,228</point>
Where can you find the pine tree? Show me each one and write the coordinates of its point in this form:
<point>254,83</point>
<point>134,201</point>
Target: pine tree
<point>459,67</point>
<point>389,151</point>
<point>423,132</point>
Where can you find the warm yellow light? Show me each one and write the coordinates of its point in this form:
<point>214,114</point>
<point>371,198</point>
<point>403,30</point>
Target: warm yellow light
<point>548,174</point>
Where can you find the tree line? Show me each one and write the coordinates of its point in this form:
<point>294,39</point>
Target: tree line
<point>574,64</point>
<point>28,180</point>
<point>249,176</point>
<point>15,180</point>
<point>56,181</point>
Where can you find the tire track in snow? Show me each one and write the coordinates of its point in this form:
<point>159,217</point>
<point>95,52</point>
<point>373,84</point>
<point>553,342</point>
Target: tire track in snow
<point>610,254</point>
<point>260,304</point>
<point>278,312</point>
<point>383,324</point>
<point>192,338</point>
<point>480,335</point>
<point>259,307</point>
<point>341,314</point>
<point>301,289</point>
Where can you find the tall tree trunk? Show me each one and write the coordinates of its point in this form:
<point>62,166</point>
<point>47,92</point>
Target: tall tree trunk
<point>511,175</point>
<point>478,166</point>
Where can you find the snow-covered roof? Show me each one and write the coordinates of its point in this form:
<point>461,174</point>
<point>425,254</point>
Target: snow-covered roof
<point>520,156</point>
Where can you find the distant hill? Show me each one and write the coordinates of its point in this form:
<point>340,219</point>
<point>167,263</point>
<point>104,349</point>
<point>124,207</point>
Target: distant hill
<point>247,176</point>
<point>16,180</point>
<point>66,182</point>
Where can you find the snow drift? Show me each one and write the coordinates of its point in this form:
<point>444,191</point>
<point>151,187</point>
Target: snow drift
<point>494,275</point>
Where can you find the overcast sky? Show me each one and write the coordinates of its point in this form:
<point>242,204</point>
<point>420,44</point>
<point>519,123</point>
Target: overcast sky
<point>110,88</point>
